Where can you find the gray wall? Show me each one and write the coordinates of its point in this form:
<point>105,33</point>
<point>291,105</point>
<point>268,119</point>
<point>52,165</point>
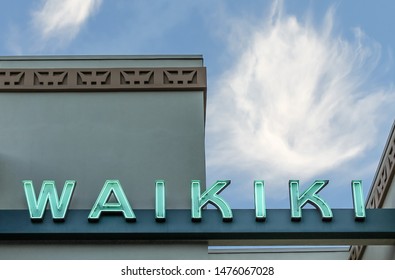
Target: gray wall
<point>105,251</point>
<point>91,137</point>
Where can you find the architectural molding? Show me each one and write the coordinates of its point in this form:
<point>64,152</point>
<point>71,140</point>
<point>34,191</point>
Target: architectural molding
<point>103,79</point>
<point>381,184</point>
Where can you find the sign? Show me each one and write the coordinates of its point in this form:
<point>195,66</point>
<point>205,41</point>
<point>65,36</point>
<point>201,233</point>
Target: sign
<point>59,206</point>
<point>119,221</point>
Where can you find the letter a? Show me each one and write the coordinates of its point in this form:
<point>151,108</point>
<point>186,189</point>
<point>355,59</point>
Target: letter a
<point>102,204</point>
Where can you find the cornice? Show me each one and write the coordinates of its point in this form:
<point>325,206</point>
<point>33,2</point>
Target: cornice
<point>103,79</point>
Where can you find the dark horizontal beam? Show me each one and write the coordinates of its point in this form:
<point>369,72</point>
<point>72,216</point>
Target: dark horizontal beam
<point>378,225</point>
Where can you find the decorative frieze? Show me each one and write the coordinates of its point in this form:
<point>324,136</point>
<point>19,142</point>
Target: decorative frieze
<point>11,78</point>
<point>106,79</point>
<point>49,78</point>
<point>180,77</point>
<point>356,252</point>
<point>93,78</point>
<point>137,77</point>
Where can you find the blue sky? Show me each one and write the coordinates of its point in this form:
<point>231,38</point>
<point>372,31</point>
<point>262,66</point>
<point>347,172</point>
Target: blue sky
<point>296,89</point>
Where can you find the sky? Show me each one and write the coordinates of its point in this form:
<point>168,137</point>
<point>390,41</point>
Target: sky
<point>296,89</point>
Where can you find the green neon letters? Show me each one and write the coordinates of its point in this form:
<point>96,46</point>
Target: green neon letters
<point>209,196</point>
<point>59,206</point>
<point>48,193</point>
<point>308,196</point>
<point>260,202</point>
<point>102,205</point>
<point>357,193</point>
<point>160,201</point>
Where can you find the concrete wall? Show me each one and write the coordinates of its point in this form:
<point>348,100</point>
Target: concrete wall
<point>119,250</point>
<point>92,137</point>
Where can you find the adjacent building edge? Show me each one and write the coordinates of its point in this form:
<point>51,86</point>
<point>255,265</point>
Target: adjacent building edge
<point>380,186</point>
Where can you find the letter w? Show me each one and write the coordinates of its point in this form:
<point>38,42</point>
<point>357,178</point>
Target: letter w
<point>48,193</point>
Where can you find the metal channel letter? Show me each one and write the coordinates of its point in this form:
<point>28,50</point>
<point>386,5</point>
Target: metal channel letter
<point>358,201</point>
<point>160,201</point>
<point>260,202</point>
<point>310,195</point>
<point>102,205</point>
<point>209,196</point>
<point>48,193</point>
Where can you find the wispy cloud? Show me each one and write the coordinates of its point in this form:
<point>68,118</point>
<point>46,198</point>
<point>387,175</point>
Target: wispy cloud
<point>63,19</point>
<point>297,100</point>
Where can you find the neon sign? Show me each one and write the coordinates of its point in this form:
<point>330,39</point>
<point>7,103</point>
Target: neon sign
<point>298,199</point>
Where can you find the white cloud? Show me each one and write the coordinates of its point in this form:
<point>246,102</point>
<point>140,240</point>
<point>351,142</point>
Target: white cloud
<point>63,19</point>
<point>296,102</point>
